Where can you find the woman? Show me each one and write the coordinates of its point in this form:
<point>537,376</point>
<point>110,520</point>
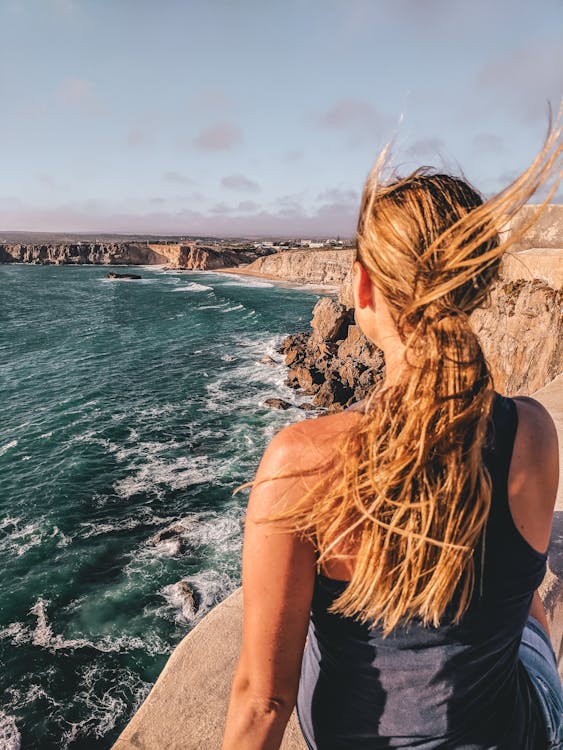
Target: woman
<point>407,536</point>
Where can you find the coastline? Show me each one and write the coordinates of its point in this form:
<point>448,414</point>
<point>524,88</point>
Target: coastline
<point>328,289</point>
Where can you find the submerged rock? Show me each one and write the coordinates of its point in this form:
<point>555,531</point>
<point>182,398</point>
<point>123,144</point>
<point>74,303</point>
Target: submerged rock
<point>267,360</point>
<point>190,599</point>
<point>113,275</point>
<point>277,403</point>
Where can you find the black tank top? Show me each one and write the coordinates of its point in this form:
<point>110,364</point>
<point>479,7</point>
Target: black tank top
<point>455,686</point>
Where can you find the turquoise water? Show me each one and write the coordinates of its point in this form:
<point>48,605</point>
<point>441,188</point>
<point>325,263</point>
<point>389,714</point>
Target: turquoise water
<point>129,412</point>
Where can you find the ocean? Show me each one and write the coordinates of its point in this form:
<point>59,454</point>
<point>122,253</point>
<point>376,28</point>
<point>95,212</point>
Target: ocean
<point>130,410</point>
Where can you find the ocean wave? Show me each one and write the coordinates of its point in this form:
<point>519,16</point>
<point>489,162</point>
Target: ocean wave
<point>8,446</point>
<point>250,282</point>
<point>232,308</point>
<point>42,636</point>
<point>159,473</point>
<point>19,537</point>
<point>193,286</point>
<point>105,707</point>
<point>10,738</point>
<point>91,529</point>
<point>221,532</point>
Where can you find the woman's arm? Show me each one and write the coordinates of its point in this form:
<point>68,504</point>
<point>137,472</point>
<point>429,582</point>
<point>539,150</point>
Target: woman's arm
<point>533,481</point>
<point>278,572</point>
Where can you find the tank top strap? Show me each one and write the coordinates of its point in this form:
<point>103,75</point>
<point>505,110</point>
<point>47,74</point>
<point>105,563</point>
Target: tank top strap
<point>503,426</point>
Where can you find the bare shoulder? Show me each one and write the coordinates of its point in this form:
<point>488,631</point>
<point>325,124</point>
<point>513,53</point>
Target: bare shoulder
<point>534,472</point>
<point>304,444</point>
<point>536,430</point>
<point>294,460</point>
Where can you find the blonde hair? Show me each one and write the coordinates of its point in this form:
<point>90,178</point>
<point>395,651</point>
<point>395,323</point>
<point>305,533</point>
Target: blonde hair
<point>407,494</point>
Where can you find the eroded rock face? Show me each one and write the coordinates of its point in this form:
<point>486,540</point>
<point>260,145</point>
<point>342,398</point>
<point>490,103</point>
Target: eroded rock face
<point>521,333</point>
<point>193,257</point>
<point>99,253</point>
<point>306,266</point>
<point>333,361</point>
<point>187,256</point>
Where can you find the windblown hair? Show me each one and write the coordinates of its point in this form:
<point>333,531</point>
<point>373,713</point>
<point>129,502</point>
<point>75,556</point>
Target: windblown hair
<point>407,493</point>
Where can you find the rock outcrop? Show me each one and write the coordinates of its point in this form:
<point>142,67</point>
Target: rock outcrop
<point>117,276</point>
<point>99,253</point>
<point>334,362</point>
<point>194,257</point>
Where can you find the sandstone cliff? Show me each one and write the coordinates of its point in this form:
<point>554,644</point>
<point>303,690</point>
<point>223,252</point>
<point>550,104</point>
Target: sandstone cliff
<point>305,266</point>
<point>114,253</point>
<point>188,256</point>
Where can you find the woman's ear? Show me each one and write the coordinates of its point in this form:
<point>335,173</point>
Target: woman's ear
<point>362,287</point>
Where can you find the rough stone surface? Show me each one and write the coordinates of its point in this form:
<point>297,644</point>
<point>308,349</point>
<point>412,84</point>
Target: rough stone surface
<point>306,266</point>
<point>547,230</point>
<point>277,403</point>
<point>187,707</point>
<point>522,335</point>
<point>333,362</point>
<point>188,256</point>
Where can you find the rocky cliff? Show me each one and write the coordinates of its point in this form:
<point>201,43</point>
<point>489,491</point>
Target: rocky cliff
<point>305,266</point>
<point>189,256</point>
<point>114,253</point>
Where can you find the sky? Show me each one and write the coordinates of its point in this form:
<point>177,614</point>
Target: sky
<point>260,117</point>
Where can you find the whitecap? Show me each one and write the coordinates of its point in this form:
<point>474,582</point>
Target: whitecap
<point>193,286</point>
<point>90,529</point>
<point>5,448</point>
<point>194,596</point>
<point>250,282</point>
<point>10,738</point>
<point>232,309</point>
<point>176,474</point>
<point>21,538</point>
<point>42,636</point>
<point>104,710</point>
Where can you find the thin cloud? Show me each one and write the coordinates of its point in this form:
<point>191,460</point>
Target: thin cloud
<point>358,119</point>
<point>487,143</point>
<point>522,80</point>
<point>248,206</point>
<point>292,156</point>
<point>176,178</point>
<point>48,181</point>
<point>78,93</point>
<point>426,147</point>
<point>212,100</point>
<point>330,219</point>
<point>220,137</point>
<point>240,182</point>
<point>138,138</point>
<point>338,195</point>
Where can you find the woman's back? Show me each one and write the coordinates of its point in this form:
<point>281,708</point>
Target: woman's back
<point>456,686</point>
